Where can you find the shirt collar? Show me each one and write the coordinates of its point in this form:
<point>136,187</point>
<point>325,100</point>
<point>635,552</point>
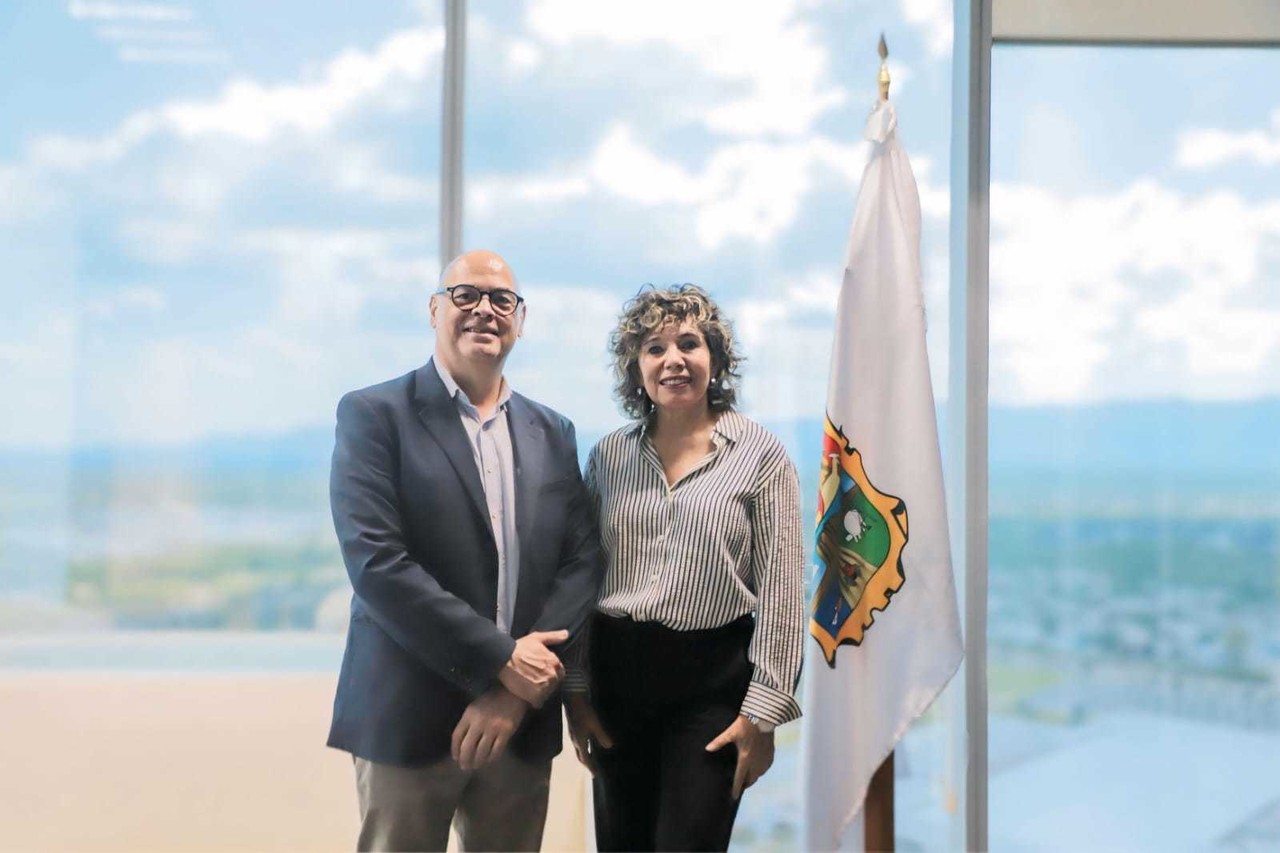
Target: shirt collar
<point>728,428</point>
<point>456,392</point>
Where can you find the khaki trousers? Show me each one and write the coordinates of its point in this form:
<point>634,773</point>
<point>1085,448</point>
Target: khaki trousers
<point>501,806</point>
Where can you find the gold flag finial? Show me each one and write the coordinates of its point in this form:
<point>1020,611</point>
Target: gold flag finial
<point>883,78</point>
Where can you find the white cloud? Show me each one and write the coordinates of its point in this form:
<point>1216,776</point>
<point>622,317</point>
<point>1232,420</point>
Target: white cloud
<point>327,245</point>
<point>140,298</point>
<point>934,18</point>
<point>280,347</point>
<point>787,339</point>
<point>778,57</point>
<point>284,371</point>
<point>264,379</point>
<point>179,197</point>
<point>152,35</point>
<point>623,166</point>
<point>153,12</point>
<point>746,190</point>
<point>198,180</point>
<point>252,112</point>
<point>159,396</point>
<point>523,56</point>
<point>23,195</point>
<point>1091,294</point>
<point>488,196</point>
<point>273,371</point>
<point>173,56</point>
<point>755,189</point>
<point>900,77</point>
<point>164,242</point>
<point>72,153</point>
<point>1223,341</point>
<point>285,367</point>
<point>564,353</point>
<point>360,170</point>
<point>36,368</point>
<point>309,335</point>
<point>413,276</point>
<point>1203,148</point>
<point>787,342</point>
<point>935,198</point>
<point>326,277</point>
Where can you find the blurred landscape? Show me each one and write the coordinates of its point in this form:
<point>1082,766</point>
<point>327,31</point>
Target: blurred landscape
<point>1139,529</point>
<point>1134,586</point>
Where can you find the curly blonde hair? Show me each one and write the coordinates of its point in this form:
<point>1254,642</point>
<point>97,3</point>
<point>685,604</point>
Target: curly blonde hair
<point>650,310</point>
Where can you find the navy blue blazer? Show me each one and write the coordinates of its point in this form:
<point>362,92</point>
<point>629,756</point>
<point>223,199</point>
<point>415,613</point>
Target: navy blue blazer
<point>410,515</point>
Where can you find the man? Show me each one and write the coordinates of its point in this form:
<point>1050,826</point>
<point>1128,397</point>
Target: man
<point>466,533</point>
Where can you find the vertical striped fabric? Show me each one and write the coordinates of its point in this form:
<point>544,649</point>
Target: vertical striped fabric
<point>727,540</point>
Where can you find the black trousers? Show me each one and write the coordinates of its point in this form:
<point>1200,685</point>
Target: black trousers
<point>663,695</point>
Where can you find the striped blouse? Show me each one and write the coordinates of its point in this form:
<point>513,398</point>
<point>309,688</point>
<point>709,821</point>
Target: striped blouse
<point>725,541</point>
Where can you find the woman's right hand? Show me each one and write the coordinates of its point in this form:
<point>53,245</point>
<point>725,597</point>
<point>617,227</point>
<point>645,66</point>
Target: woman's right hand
<point>585,728</point>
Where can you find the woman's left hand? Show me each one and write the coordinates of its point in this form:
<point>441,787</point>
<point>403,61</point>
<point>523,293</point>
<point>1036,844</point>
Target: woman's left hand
<point>755,752</point>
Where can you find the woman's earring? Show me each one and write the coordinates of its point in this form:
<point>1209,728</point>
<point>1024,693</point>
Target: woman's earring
<point>644,398</point>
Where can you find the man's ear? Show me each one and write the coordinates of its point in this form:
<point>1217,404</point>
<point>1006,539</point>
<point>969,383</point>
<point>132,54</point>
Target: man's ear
<point>431,305</point>
<point>524,314</point>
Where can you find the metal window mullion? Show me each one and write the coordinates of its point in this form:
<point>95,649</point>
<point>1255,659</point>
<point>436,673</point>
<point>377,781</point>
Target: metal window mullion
<point>968,389</point>
<point>451,133</point>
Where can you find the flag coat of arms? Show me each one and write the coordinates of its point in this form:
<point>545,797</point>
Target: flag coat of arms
<point>883,620</point>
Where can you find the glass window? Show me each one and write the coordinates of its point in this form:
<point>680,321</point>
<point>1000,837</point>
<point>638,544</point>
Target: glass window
<point>214,219</point>
<point>208,241</point>
<point>613,145</point>
<point>1134,549</point>
<point>218,217</point>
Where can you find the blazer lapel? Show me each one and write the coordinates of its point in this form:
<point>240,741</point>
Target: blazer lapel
<point>528,444</point>
<point>439,414</point>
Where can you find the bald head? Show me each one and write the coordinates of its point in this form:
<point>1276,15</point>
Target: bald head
<point>478,263</point>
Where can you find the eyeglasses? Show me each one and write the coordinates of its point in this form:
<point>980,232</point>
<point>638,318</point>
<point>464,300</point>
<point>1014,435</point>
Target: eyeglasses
<point>467,297</point>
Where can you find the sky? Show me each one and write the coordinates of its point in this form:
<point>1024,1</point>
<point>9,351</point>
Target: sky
<point>217,217</point>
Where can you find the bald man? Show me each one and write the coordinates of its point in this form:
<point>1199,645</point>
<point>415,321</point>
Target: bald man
<point>474,562</point>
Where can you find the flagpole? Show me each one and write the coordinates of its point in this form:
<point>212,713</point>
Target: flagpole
<point>878,827</point>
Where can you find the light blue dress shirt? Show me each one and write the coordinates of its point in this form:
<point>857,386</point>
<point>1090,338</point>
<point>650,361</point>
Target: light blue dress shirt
<point>490,440</point>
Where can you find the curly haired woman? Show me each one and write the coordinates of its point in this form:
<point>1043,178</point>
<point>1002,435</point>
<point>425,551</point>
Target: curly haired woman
<point>696,645</point>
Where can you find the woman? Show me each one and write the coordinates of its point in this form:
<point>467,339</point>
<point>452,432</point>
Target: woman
<point>700,520</point>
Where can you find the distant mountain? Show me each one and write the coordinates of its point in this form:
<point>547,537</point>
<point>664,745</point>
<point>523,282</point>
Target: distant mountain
<point>294,450</point>
<point>1232,438</point>
<point>1175,436</point>
<point>1168,436</point>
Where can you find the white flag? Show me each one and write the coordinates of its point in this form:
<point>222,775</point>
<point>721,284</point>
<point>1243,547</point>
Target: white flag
<point>883,620</point>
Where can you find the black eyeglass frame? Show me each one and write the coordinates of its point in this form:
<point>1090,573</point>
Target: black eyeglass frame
<point>481,293</point>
